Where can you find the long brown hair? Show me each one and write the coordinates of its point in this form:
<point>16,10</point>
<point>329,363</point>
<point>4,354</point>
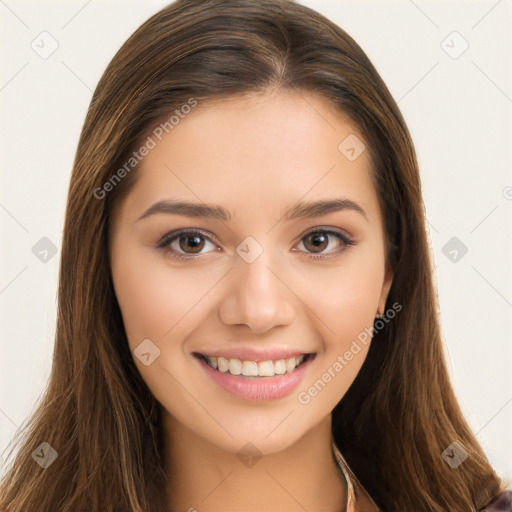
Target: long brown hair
<point>97,413</point>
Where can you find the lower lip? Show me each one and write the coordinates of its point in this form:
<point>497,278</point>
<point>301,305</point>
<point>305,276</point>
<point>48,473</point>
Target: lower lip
<point>263,388</point>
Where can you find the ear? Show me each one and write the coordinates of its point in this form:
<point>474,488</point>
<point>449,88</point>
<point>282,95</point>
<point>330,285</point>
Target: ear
<point>386,285</point>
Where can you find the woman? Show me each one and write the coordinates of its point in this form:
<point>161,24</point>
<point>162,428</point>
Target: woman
<point>246,314</point>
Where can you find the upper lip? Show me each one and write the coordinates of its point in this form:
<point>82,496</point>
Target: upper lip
<point>253,354</point>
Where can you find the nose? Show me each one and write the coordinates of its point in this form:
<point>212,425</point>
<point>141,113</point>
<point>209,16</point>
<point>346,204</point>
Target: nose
<point>258,297</point>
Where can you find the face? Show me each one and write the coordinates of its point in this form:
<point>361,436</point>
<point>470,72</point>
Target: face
<point>257,283</point>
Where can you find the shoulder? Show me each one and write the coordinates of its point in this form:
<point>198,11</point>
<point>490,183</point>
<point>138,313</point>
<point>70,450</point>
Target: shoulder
<point>502,502</point>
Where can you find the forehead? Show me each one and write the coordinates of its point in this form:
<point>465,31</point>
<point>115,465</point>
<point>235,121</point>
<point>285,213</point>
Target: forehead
<point>256,151</point>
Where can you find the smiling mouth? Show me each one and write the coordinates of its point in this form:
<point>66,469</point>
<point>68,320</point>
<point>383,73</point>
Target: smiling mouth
<point>269,368</point>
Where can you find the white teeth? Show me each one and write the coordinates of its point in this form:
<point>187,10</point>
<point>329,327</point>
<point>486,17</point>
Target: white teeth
<point>250,368</point>
<point>223,364</point>
<point>267,369</point>
<point>281,367</point>
<point>255,369</point>
<point>235,366</point>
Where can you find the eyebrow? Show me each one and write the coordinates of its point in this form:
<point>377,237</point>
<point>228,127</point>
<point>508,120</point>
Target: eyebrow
<point>297,210</point>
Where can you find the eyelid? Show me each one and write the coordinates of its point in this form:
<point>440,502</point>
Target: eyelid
<point>327,229</point>
<point>175,234</point>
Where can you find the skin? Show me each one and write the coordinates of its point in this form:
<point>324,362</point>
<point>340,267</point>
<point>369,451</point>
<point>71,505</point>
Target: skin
<point>254,155</point>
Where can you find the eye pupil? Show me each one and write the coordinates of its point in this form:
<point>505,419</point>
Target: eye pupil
<point>194,241</point>
<point>317,239</point>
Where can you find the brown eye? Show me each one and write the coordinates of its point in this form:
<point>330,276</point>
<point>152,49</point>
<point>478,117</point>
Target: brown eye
<point>196,242</point>
<point>317,241</point>
<point>185,244</point>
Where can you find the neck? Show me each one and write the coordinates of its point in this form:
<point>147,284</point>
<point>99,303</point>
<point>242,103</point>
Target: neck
<point>204,477</point>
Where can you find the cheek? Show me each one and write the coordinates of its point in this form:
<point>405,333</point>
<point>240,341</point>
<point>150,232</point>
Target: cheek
<point>343,308</point>
<point>158,301</point>
<point>146,296</point>
<point>345,298</point>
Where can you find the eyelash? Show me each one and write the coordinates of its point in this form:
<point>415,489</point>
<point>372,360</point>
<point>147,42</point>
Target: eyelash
<point>166,240</point>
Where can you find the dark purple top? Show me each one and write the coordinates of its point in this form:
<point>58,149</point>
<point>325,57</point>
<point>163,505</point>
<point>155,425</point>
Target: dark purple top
<point>500,503</point>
